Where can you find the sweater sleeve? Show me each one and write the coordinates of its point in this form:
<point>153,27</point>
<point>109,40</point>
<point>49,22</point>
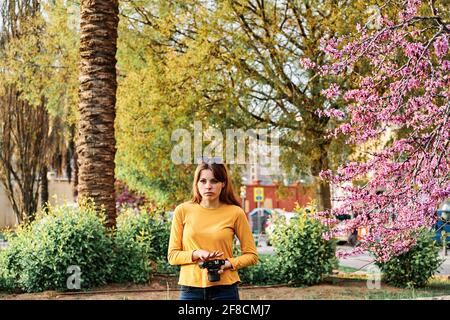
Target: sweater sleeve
<point>176,255</point>
<point>249,254</point>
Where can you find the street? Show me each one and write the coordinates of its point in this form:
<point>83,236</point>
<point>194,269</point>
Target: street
<point>362,261</point>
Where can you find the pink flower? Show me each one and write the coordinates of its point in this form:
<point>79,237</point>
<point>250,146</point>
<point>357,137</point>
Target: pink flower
<point>411,9</point>
<point>330,47</point>
<point>441,46</point>
<point>413,83</point>
<point>393,95</point>
<point>307,63</point>
<point>345,128</point>
<point>325,174</point>
<point>331,113</point>
<point>413,50</point>
<point>332,91</point>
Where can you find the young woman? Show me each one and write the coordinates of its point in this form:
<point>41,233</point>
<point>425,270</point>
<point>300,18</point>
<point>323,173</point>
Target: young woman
<point>203,230</point>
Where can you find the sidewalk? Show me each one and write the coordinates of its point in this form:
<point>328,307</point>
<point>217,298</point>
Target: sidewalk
<point>3,244</point>
<point>362,261</point>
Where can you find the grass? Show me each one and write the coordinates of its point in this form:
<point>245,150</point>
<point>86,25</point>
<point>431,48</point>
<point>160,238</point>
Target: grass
<point>347,269</point>
<point>437,286</point>
<point>434,289</point>
<point>348,284</point>
<point>339,287</point>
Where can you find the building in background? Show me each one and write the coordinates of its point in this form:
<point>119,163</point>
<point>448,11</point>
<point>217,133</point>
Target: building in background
<point>276,195</point>
<point>60,191</point>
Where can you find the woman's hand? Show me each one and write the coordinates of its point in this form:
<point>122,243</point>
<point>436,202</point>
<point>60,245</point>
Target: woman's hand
<point>204,255</point>
<point>227,265</point>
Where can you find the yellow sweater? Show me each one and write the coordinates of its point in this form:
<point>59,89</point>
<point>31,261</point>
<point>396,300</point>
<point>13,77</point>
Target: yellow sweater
<point>195,227</point>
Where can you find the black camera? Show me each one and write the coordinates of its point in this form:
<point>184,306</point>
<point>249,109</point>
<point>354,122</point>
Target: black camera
<point>213,267</point>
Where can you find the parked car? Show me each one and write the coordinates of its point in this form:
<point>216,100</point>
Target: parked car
<point>3,242</point>
<point>258,219</point>
<point>342,235</point>
<point>443,222</point>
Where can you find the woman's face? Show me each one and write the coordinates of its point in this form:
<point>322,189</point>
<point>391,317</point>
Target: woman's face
<point>208,186</point>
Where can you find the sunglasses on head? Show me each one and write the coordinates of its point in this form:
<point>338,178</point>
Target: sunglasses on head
<point>210,160</point>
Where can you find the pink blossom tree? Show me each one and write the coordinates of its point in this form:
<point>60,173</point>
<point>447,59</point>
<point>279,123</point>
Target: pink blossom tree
<point>404,90</point>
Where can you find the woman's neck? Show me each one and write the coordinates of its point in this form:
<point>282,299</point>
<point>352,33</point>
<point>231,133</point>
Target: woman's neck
<point>210,204</point>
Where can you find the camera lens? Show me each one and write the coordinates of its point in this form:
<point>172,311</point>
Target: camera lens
<point>213,276</point>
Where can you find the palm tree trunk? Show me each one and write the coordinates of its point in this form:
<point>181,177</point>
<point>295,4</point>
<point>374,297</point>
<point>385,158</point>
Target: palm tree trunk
<point>96,145</point>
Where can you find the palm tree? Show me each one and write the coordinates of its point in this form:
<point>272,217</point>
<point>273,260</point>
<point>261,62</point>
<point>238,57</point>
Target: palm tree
<point>96,145</point>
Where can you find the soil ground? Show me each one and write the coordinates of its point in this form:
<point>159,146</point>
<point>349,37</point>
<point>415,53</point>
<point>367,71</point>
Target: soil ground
<point>341,286</point>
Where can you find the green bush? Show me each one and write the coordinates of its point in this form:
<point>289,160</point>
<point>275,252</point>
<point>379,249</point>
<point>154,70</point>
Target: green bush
<point>6,281</point>
<point>140,239</point>
<point>414,268</point>
<point>131,262</point>
<point>39,255</point>
<point>304,257</point>
<point>265,272</point>
<point>163,267</point>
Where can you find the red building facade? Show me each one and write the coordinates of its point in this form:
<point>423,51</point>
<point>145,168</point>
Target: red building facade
<point>283,197</point>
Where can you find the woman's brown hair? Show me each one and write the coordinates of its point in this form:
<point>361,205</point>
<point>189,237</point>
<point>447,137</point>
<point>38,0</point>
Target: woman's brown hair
<point>220,172</point>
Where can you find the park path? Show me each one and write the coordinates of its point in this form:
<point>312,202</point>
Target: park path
<point>363,261</point>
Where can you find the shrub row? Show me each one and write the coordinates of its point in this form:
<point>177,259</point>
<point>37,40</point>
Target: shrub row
<point>68,244</point>
<point>303,257</point>
<point>414,268</point>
